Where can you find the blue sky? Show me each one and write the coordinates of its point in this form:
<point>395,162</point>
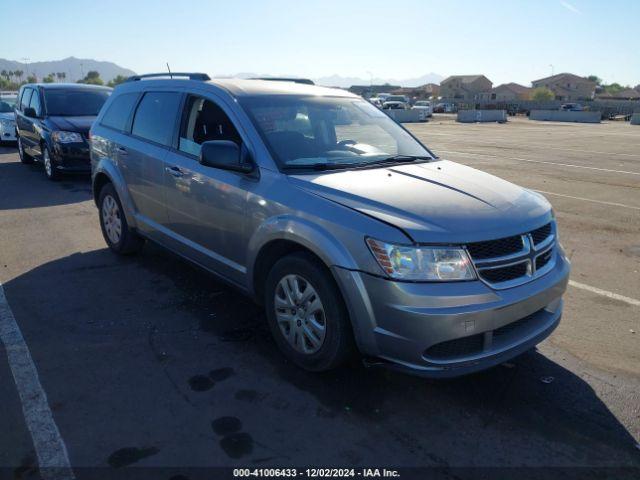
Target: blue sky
<point>508,40</point>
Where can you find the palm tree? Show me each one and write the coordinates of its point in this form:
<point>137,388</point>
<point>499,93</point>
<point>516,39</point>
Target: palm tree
<point>19,73</point>
<point>5,74</point>
<point>52,75</point>
<point>11,74</point>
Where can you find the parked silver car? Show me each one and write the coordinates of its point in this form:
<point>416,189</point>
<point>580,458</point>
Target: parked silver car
<point>350,232</point>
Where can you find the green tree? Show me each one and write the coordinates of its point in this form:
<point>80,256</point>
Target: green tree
<point>18,73</point>
<point>48,79</point>
<point>31,79</point>
<point>595,78</point>
<point>92,78</point>
<point>117,80</point>
<point>542,94</point>
<point>5,74</point>
<point>613,88</point>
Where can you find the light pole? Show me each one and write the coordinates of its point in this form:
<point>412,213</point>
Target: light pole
<point>551,65</point>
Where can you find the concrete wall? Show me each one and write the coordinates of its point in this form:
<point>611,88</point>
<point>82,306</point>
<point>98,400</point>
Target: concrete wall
<point>472,116</point>
<point>406,116</point>
<point>635,119</point>
<point>562,116</point>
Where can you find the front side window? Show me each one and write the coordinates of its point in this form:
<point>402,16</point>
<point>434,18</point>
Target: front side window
<point>204,121</point>
<point>119,111</point>
<point>156,116</point>
<point>328,131</point>
<point>74,103</point>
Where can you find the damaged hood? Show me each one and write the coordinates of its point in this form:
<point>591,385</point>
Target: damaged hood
<point>435,202</point>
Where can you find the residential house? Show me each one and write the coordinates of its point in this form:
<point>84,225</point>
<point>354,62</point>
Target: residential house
<point>568,87</point>
<point>465,87</point>
<point>508,92</point>
<point>423,92</point>
<point>626,94</point>
<point>372,90</point>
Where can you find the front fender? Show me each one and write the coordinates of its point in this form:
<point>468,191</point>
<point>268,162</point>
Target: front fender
<point>105,166</point>
<point>310,235</point>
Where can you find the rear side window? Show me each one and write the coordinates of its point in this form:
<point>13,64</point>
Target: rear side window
<point>156,116</point>
<point>26,98</point>
<point>118,113</point>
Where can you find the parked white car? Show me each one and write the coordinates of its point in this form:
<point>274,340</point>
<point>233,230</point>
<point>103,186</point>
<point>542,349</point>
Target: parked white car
<point>7,117</point>
<point>424,105</point>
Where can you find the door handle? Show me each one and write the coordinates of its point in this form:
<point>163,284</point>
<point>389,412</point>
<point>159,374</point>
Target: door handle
<point>175,171</point>
<point>122,151</point>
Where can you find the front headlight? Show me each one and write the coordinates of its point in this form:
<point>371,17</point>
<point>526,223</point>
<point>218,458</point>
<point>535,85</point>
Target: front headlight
<point>403,262</point>
<point>66,137</point>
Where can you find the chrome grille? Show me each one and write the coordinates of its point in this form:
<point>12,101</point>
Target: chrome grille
<point>514,260</point>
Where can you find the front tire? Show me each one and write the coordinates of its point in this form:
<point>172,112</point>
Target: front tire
<point>116,232</point>
<point>49,168</point>
<point>24,158</point>
<point>306,313</point>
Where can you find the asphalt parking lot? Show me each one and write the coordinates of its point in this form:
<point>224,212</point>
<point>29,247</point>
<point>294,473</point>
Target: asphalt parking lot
<point>148,361</point>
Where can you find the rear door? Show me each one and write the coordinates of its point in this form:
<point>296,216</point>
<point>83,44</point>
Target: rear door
<point>141,155</point>
<point>24,124</point>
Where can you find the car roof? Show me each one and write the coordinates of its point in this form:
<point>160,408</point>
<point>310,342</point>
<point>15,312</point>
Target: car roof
<point>68,86</point>
<point>241,87</point>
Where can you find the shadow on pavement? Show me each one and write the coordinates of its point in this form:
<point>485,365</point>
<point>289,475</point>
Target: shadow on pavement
<point>121,327</point>
<point>25,186</point>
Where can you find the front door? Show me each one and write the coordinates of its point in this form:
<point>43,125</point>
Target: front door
<point>206,206</point>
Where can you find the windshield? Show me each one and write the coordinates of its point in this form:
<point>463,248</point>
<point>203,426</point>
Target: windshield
<point>7,104</point>
<point>75,103</point>
<point>333,131</point>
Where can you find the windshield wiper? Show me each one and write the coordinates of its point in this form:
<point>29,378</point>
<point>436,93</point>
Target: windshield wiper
<point>396,159</point>
<point>319,166</point>
<point>341,166</point>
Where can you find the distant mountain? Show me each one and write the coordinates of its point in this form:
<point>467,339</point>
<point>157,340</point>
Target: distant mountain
<point>344,82</point>
<point>75,68</point>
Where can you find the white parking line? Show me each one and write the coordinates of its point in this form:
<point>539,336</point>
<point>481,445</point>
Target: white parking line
<point>612,204</point>
<point>539,161</point>
<point>605,293</point>
<point>52,455</point>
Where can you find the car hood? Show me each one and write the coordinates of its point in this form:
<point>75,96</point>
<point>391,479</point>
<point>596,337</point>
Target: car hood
<point>7,116</point>
<point>435,202</point>
<point>72,124</point>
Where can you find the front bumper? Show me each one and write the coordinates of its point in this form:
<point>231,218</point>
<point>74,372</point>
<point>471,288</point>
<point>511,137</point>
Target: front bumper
<point>71,157</point>
<point>451,329</point>
<point>8,134</point>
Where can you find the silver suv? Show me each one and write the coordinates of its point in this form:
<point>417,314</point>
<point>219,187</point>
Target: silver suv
<point>350,232</point>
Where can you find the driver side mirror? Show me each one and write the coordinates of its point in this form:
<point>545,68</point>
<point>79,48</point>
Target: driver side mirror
<point>30,112</point>
<point>225,155</point>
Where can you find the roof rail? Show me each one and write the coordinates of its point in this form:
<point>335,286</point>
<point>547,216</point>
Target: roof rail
<point>304,81</point>
<point>203,77</point>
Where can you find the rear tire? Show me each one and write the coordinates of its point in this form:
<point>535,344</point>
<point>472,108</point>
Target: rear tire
<point>116,232</point>
<point>306,313</point>
<point>24,158</point>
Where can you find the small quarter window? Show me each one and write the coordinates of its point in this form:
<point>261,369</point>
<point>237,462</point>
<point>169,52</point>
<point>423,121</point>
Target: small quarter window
<point>35,103</point>
<point>26,98</point>
<point>118,113</point>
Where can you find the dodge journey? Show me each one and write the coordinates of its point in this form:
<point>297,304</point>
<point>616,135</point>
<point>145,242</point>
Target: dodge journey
<point>351,233</point>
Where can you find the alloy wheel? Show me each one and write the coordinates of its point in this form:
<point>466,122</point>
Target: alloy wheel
<point>300,314</point>
<point>46,159</point>
<point>111,219</point>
